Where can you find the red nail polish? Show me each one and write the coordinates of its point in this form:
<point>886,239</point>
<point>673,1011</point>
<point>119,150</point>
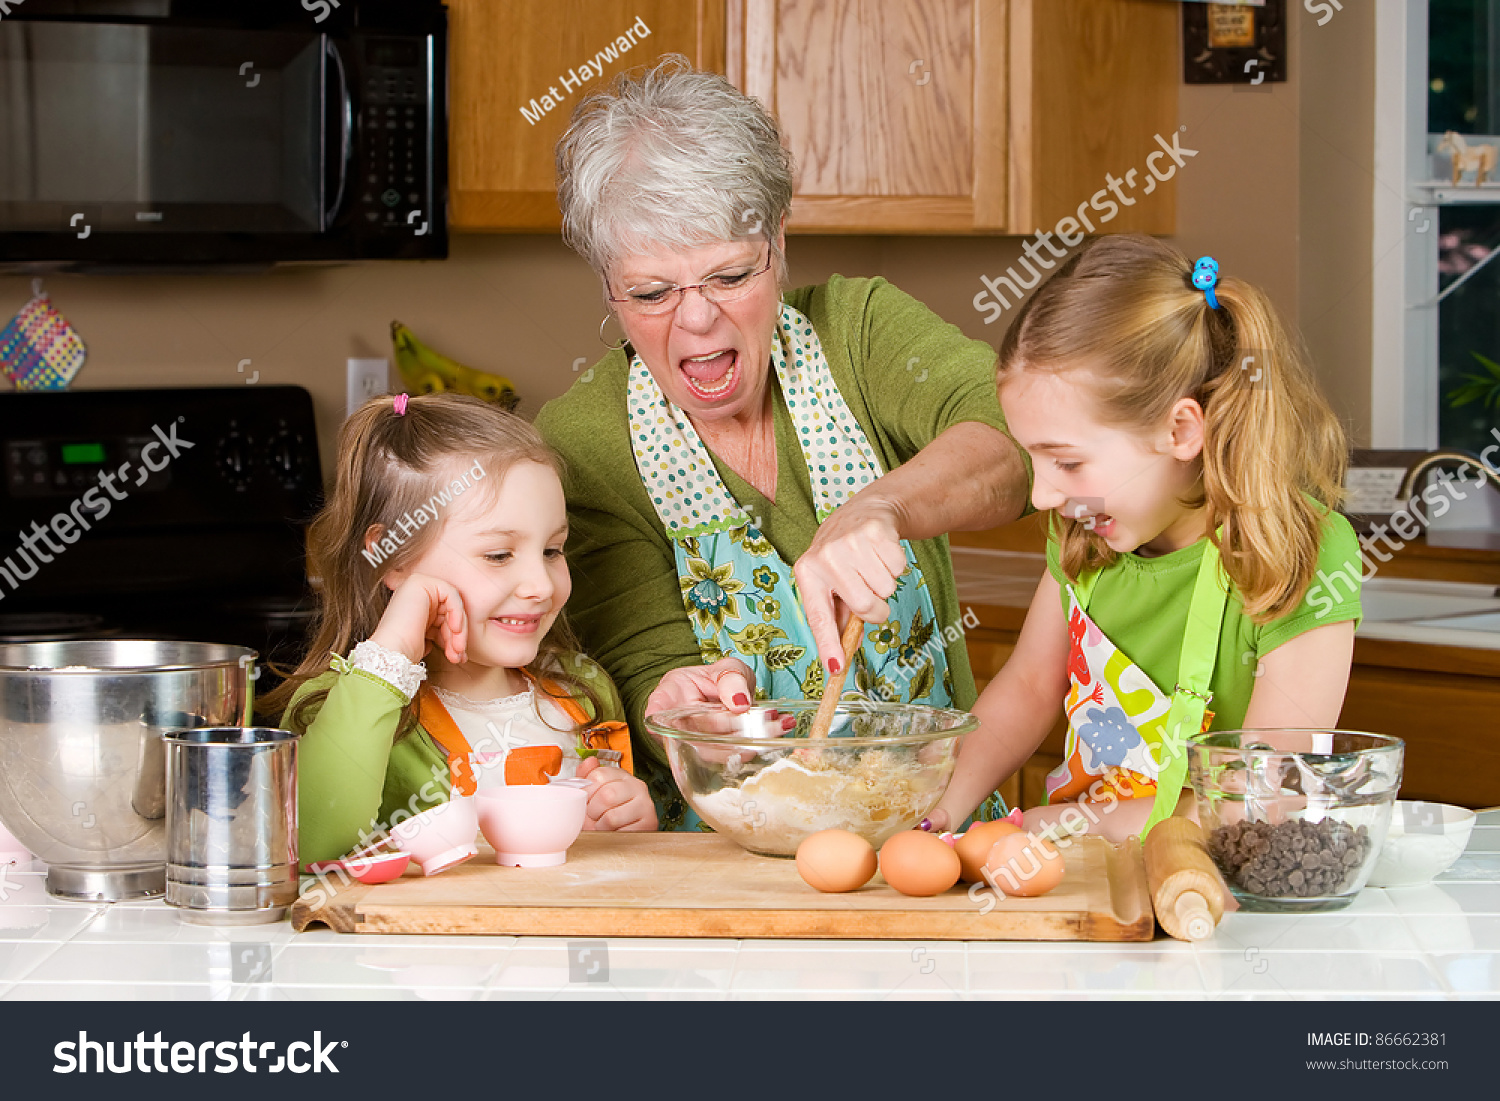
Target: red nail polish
<point>741,700</point>
<point>834,666</point>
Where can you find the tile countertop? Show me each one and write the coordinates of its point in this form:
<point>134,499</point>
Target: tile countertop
<point>1441,941</point>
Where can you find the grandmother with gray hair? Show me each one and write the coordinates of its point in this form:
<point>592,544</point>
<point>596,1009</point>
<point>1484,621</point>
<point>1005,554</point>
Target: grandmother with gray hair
<point>750,464</point>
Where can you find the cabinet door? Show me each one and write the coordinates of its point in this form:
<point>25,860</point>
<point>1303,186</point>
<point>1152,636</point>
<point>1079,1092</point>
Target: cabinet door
<point>961,116</point>
<point>517,68</point>
<point>893,122</point>
<point>1093,82</point>
<point>1447,721</point>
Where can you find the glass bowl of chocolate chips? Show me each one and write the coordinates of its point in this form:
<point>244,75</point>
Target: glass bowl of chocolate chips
<point>1295,819</point>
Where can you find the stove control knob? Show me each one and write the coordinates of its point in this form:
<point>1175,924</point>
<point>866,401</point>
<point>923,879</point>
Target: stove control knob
<point>284,457</point>
<point>234,459</point>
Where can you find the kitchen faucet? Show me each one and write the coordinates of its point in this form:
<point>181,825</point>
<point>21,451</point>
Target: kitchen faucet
<point>1427,462</point>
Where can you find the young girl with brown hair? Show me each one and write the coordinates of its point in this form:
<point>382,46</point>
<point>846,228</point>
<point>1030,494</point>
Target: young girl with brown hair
<point>1192,470</point>
<point>443,541</point>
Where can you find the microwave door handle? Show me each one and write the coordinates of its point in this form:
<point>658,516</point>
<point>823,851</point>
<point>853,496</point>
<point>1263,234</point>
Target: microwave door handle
<point>346,122</point>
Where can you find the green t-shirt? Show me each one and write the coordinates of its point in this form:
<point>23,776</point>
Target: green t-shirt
<point>1141,605</point>
<point>906,375</point>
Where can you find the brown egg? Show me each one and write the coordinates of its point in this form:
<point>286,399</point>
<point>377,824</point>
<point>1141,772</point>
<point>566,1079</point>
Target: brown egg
<point>836,860</point>
<point>974,846</point>
<point>917,863</point>
<point>1021,865</point>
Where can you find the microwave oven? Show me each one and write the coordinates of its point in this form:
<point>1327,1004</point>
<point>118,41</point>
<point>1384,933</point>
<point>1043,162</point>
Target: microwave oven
<point>222,132</point>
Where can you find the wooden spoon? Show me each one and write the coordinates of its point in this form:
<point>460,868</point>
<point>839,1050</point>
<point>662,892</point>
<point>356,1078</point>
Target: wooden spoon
<point>833,686</point>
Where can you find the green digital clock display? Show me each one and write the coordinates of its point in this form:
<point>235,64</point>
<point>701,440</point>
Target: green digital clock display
<point>80,454</point>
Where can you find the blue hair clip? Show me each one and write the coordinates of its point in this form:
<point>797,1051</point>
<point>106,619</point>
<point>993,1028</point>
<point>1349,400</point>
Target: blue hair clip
<point>1206,277</point>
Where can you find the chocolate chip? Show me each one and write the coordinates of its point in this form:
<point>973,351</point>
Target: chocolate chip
<point>1291,859</point>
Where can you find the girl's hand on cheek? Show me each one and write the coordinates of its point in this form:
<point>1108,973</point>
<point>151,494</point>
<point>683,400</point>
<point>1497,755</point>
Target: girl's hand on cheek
<point>424,608</point>
<point>618,800</point>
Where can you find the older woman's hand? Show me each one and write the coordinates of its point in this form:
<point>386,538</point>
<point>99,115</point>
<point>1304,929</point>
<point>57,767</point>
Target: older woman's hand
<point>857,557</point>
<point>727,681</point>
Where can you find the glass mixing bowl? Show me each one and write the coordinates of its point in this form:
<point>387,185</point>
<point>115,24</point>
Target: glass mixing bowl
<point>1294,819</point>
<point>880,770</point>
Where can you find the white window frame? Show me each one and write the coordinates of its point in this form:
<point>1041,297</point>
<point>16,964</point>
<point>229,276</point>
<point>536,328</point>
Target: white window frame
<point>1404,320</point>
<point>1404,397</point>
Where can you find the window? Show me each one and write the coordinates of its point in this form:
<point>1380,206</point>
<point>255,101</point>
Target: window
<point>1463,96</point>
<point>1437,285</point>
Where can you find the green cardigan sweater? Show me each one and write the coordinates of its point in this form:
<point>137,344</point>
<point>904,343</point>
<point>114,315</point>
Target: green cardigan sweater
<point>350,777</point>
<point>906,375</point>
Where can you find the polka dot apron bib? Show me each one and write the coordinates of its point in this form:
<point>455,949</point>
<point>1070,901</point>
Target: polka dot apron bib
<point>1126,738</point>
<point>739,593</point>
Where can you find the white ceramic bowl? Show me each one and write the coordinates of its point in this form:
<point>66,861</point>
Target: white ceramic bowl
<point>1424,840</point>
<point>531,826</point>
<point>440,837</point>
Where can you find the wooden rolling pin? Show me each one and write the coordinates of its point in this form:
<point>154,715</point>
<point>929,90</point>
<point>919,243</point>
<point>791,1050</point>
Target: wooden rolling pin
<point>1185,887</point>
<point>833,686</point>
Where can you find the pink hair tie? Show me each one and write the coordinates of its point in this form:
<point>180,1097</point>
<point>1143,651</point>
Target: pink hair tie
<point>400,404</point>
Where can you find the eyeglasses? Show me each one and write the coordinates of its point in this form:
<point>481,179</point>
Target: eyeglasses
<point>661,298</point>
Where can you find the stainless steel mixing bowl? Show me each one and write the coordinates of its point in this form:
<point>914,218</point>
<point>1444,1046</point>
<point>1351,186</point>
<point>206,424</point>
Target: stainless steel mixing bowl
<point>82,762</point>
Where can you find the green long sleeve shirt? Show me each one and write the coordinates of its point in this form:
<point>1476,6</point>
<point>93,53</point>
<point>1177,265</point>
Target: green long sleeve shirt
<point>906,375</point>
<point>351,778</point>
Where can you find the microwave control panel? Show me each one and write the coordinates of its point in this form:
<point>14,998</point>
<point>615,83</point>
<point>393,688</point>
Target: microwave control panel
<point>394,187</point>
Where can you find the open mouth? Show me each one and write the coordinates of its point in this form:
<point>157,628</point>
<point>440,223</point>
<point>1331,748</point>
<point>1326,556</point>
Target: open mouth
<point>1100,523</point>
<point>712,376</point>
<point>517,624</point>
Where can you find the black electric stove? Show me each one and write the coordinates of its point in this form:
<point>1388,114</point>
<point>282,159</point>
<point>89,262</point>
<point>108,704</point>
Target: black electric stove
<point>159,514</point>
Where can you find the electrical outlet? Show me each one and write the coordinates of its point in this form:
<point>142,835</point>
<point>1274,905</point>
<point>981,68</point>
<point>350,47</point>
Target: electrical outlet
<point>367,378</point>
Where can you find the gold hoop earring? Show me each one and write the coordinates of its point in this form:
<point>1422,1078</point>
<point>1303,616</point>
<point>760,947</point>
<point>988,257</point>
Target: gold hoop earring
<point>622,341</point>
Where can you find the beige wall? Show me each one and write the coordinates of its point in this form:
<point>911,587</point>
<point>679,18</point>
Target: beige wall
<point>1337,197</point>
<point>525,307</point>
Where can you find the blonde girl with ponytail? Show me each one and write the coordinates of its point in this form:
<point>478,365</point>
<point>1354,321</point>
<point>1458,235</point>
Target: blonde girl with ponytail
<point>1199,574</point>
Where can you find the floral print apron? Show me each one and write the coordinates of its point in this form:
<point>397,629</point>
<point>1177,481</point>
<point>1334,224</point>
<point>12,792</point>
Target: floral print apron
<point>1125,736</point>
<point>739,593</point>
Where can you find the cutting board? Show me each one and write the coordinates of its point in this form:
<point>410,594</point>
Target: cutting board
<point>703,885</point>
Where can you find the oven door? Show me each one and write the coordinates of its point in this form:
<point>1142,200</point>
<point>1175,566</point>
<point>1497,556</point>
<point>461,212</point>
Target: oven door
<point>152,142</point>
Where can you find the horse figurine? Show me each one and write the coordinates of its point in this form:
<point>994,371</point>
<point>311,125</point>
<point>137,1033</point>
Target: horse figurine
<point>1480,160</point>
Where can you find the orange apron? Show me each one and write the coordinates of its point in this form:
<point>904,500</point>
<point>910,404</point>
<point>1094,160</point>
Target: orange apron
<point>532,764</point>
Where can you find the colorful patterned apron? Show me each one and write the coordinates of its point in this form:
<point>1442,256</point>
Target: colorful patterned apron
<point>1125,735</point>
<point>740,595</point>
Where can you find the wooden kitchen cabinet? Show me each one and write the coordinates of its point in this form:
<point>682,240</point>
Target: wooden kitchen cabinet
<point>961,116</point>
<point>1442,701</point>
<point>506,55</point>
<point>904,116</point>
